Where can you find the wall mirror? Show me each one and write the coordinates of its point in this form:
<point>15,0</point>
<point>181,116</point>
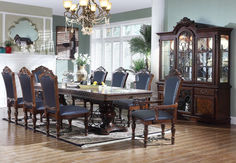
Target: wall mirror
<point>24,30</point>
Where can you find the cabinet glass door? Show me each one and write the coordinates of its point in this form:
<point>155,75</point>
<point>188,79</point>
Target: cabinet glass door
<point>185,55</point>
<point>167,57</point>
<point>224,56</point>
<point>204,60</point>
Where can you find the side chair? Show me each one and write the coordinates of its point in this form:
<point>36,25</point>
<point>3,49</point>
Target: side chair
<point>165,112</point>
<point>56,111</point>
<point>31,104</point>
<point>143,80</point>
<point>12,100</point>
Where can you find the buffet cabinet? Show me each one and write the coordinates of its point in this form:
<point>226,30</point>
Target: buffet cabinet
<point>201,53</point>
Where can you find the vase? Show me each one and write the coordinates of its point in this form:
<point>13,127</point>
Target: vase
<point>8,49</point>
<point>81,74</point>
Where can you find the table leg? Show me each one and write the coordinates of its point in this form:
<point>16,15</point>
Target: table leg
<point>108,114</point>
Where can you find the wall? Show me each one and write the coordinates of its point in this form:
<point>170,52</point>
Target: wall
<point>215,12</point>
<point>41,17</point>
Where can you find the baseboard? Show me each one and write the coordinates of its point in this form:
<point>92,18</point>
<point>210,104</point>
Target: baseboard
<point>233,120</point>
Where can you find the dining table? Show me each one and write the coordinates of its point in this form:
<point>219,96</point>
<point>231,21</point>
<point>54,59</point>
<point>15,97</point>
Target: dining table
<point>105,95</point>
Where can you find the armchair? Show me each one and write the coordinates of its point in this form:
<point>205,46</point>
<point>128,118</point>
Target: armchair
<point>166,112</point>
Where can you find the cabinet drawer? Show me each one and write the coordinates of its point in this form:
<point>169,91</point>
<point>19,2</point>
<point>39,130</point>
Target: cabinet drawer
<point>204,91</point>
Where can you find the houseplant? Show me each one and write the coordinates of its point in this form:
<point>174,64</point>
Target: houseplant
<point>2,49</point>
<point>142,44</point>
<point>138,65</point>
<point>8,45</point>
<point>82,60</point>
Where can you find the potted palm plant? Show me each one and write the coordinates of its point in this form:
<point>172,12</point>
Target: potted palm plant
<point>138,65</point>
<point>142,44</point>
<point>8,45</point>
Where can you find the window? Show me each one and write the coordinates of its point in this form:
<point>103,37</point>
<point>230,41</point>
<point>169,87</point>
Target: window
<point>110,45</point>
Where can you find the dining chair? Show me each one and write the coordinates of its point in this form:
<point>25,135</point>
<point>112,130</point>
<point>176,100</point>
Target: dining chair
<point>143,80</point>
<point>53,109</point>
<point>37,72</point>
<point>31,103</point>
<point>12,100</point>
<point>164,111</point>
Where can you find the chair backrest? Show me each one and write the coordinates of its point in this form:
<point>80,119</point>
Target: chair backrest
<point>119,78</point>
<point>27,87</point>
<point>49,86</point>
<point>173,83</point>
<point>10,84</point>
<point>99,75</point>
<point>143,80</point>
<point>38,71</point>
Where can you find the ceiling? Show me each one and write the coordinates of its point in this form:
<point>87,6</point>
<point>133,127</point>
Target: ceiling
<point>118,6</point>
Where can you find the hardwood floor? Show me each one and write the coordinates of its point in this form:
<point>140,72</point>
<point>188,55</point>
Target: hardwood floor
<point>194,143</point>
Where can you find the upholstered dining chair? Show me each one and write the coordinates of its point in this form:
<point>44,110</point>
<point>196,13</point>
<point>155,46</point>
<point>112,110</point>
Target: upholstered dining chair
<point>53,109</point>
<point>12,100</point>
<point>31,104</point>
<point>165,112</point>
<point>143,80</point>
<point>38,71</point>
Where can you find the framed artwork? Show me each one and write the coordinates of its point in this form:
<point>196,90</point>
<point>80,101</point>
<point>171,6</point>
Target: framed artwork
<point>67,42</point>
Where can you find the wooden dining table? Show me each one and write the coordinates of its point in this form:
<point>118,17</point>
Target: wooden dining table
<point>106,95</point>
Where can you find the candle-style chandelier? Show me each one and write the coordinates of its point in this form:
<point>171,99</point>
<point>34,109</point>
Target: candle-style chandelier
<point>87,13</point>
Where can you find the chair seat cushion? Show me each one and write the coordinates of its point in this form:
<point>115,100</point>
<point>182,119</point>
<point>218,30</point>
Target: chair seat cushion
<point>124,104</point>
<point>68,110</point>
<point>150,115</point>
<point>20,101</point>
<point>39,105</point>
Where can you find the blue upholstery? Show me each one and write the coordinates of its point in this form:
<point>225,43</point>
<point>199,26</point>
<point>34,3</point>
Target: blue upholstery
<point>37,74</point>
<point>150,115</point>
<point>69,110</point>
<point>26,87</point>
<point>118,79</point>
<point>124,104</point>
<point>47,85</point>
<point>142,80</point>
<point>171,88</point>
<point>99,76</point>
<point>20,101</point>
<point>8,84</point>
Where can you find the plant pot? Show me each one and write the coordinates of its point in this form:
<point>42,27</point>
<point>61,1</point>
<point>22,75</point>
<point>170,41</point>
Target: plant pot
<point>8,49</point>
<point>81,74</point>
<point>2,50</point>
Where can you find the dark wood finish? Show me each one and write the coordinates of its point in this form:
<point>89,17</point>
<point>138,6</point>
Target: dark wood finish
<point>40,69</point>
<point>30,107</point>
<point>12,102</point>
<point>56,115</point>
<point>160,107</point>
<point>207,101</point>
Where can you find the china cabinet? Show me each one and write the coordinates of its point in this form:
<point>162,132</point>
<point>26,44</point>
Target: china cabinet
<point>201,53</point>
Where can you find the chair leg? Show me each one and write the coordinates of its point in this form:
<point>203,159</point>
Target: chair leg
<point>73,100</point>
<point>34,121</point>
<point>86,124</point>
<point>9,114</point>
<point>172,132</point>
<point>145,135</point>
<point>58,128</point>
<point>41,117</point>
<point>16,115</point>
<point>70,121</point>
<point>128,116</point>
<point>91,112</point>
<point>133,128</point>
<point>61,124</point>
<point>47,124</point>
<point>85,104</point>
<point>162,131</point>
<point>26,118</point>
<point>120,112</point>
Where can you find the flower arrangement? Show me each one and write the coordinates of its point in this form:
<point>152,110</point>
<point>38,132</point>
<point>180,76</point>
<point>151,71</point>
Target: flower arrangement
<point>82,59</point>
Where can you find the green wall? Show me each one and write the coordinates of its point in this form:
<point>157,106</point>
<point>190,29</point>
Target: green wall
<point>215,12</point>
<point>135,14</point>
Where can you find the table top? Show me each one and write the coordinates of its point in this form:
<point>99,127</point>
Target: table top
<point>104,93</point>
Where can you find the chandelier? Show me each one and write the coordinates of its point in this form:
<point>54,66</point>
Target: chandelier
<point>87,13</point>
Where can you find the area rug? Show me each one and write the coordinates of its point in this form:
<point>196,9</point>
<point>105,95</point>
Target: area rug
<point>76,135</point>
